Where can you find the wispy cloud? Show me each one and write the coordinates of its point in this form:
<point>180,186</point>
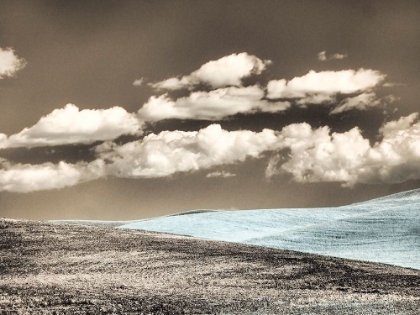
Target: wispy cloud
<point>222,174</point>
<point>322,56</point>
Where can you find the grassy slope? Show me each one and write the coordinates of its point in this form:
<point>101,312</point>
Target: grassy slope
<point>67,269</point>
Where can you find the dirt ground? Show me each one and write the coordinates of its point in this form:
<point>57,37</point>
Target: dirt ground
<point>66,269</point>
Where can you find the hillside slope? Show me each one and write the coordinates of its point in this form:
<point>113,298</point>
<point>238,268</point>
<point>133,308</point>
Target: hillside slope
<point>385,230</point>
<point>69,269</point>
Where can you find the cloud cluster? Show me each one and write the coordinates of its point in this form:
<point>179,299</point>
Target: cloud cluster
<point>226,71</point>
<point>319,156</point>
<point>314,155</point>
<point>214,105</point>
<point>322,56</point>
<point>170,152</point>
<point>69,125</point>
<point>222,101</point>
<point>10,63</point>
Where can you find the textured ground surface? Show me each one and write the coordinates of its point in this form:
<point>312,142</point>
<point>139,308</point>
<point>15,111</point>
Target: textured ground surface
<point>67,269</point>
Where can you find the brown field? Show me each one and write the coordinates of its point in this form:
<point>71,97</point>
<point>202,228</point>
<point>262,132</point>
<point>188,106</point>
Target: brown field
<point>66,269</point>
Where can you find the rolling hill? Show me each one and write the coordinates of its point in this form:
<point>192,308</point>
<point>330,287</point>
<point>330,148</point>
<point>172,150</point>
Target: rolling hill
<point>385,230</point>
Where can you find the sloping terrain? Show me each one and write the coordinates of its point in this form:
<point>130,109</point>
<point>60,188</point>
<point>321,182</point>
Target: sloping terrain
<point>70,269</point>
<point>385,230</point>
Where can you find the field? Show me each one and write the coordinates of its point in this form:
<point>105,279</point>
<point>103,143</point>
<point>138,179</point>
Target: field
<point>50,268</point>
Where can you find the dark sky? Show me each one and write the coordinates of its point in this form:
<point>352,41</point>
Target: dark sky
<point>81,164</point>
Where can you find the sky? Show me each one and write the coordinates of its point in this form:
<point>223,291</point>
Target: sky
<point>120,110</point>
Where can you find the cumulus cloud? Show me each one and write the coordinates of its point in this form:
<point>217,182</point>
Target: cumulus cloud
<point>325,83</point>
<point>321,156</point>
<point>226,71</point>
<point>314,155</point>
<point>309,155</point>
<point>10,63</point>
<point>213,105</point>
<point>322,56</point>
<point>222,174</point>
<point>26,177</point>
<point>70,125</point>
<point>169,152</point>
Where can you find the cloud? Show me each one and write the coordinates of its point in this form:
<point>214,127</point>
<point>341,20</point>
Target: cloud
<point>323,87</point>
<point>169,152</point>
<point>321,156</point>
<point>10,63</point>
<point>338,56</point>
<point>214,105</point>
<point>226,71</point>
<point>138,82</point>
<point>308,155</point>
<point>222,174</point>
<point>322,56</point>
<point>70,125</point>
<point>362,101</point>
<point>26,177</point>
<point>3,141</point>
<point>326,83</point>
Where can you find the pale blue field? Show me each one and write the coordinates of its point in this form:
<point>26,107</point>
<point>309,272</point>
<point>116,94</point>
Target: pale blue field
<point>385,230</point>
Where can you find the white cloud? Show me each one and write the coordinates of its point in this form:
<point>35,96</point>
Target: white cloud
<point>25,178</point>
<point>170,152</point>
<point>222,174</point>
<point>138,82</point>
<point>69,125</point>
<point>361,102</point>
<point>319,156</point>
<point>213,105</point>
<point>339,56</point>
<point>226,71</point>
<point>325,83</point>
<point>322,56</point>
<point>313,155</point>
<point>3,141</point>
<point>10,63</point>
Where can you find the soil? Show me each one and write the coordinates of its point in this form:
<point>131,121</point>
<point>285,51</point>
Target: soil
<point>66,269</point>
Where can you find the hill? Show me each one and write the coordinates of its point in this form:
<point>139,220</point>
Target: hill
<point>71,269</point>
<point>385,230</point>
